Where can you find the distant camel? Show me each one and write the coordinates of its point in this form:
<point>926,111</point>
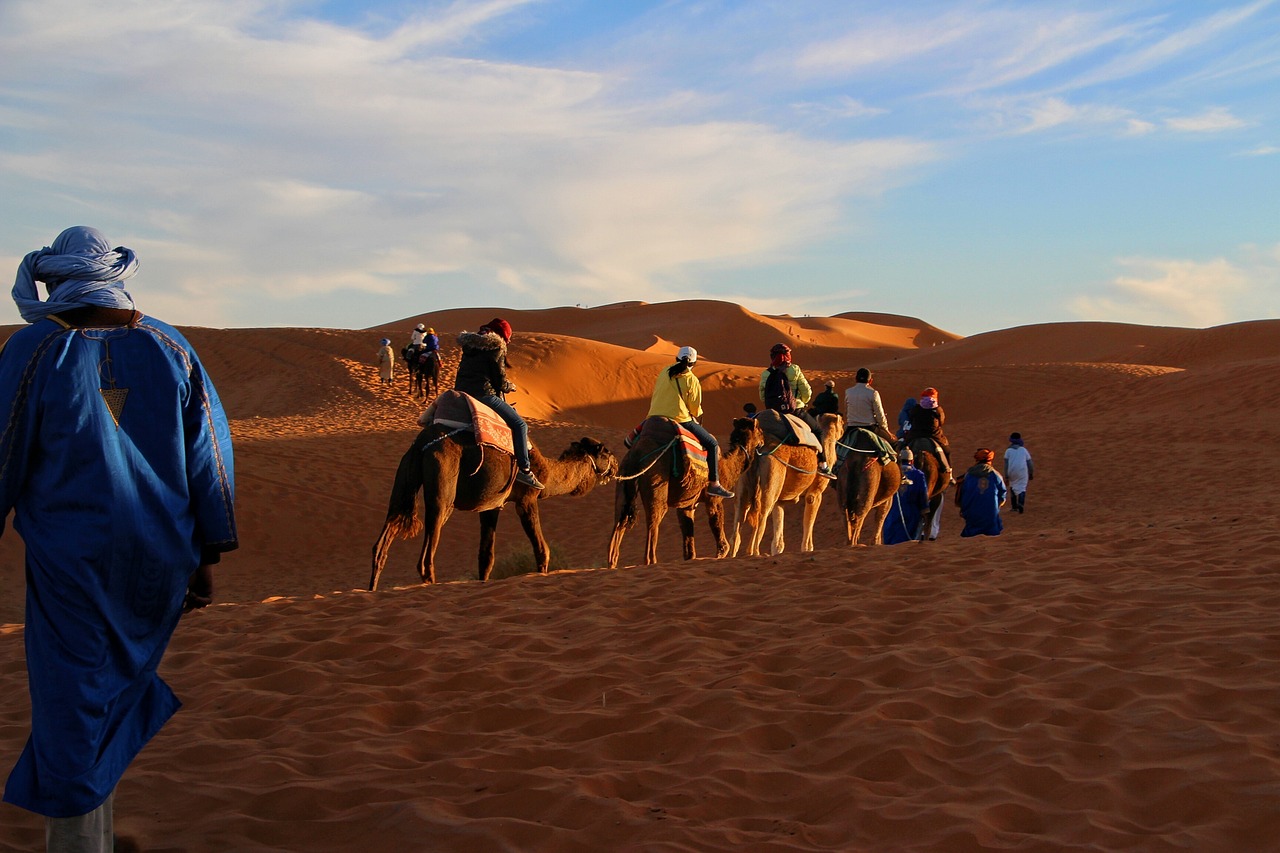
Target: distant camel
<point>428,375</point>
<point>926,458</point>
<point>454,475</point>
<point>783,473</point>
<point>866,488</point>
<point>647,471</point>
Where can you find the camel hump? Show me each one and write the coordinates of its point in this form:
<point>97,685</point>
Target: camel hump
<point>654,428</point>
<point>460,411</point>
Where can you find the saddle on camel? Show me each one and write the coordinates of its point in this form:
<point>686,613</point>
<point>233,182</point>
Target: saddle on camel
<point>864,441</point>
<point>688,456</point>
<point>469,418</point>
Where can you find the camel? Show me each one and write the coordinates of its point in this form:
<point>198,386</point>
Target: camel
<point>456,475</point>
<point>926,459</point>
<point>650,463</point>
<point>866,486</point>
<point>783,473</point>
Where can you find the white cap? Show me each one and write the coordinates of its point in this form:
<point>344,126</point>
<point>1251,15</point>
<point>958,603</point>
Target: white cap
<point>688,354</point>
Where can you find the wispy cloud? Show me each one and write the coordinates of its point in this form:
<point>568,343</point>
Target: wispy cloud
<point>1213,120</point>
<point>1168,291</point>
<point>1261,151</point>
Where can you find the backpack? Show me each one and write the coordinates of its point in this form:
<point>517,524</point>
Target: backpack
<point>777,391</point>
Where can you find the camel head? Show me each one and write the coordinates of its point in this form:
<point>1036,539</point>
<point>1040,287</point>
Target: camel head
<point>603,462</point>
<point>746,434</point>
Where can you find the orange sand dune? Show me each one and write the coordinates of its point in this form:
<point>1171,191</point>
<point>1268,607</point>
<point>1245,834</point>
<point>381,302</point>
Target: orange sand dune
<point>1104,676</point>
<point>720,331</point>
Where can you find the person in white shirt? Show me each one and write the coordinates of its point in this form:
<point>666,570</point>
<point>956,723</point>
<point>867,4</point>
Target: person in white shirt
<point>863,408</point>
<point>1018,471</point>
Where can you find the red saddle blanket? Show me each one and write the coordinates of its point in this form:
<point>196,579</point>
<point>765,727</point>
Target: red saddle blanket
<point>661,430</point>
<point>462,411</point>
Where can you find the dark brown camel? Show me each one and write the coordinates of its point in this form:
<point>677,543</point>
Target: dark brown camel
<point>866,486</point>
<point>429,375</point>
<point>927,460</point>
<point>647,474</point>
<point>453,475</point>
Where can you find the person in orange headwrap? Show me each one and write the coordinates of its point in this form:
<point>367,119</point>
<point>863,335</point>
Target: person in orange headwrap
<point>926,419</point>
<point>980,493</point>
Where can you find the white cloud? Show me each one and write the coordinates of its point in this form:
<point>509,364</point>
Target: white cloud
<point>283,159</point>
<point>840,107</point>
<point>1213,120</point>
<point>1166,291</point>
<point>1261,151</point>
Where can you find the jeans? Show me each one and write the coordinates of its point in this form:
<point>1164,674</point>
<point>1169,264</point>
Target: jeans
<point>519,431</point>
<point>709,444</point>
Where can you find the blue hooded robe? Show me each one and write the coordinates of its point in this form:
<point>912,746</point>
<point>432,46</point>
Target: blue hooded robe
<point>115,458</point>
<point>910,502</point>
<point>980,494</point>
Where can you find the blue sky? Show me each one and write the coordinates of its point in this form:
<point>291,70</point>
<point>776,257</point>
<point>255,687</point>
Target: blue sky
<point>979,165</point>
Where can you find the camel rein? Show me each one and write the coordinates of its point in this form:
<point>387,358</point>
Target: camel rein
<point>655,455</point>
<point>774,449</point>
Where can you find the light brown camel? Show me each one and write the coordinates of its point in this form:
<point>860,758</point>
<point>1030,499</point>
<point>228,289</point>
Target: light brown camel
<point>454,475</point>
<point>783,473</point>
<point>926,458</point>
<point>647,474</point>
<point>866,486</point>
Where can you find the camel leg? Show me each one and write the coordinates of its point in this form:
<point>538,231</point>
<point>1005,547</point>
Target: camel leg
<point>432,523</point>
<point>488,535</point>
<point>685,517</point>
<point>380,549</point>
<point>532,524</point>
<point>656,510</point>
<point>812,502</point>
<point>624,517</point>
<point>715,519</point>
<point>876,518</point>
<point>778,544</point>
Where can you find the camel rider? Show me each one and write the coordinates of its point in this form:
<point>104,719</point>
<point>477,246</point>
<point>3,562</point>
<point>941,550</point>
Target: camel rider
<point>677,394</point>
<point>415,337</point>
<point>430,342</point>
<point>784,389</point>
<point>926,419</point>
<point>826,402</point>
<point>482,373</point>
<point>789,391</point>
<point>862,407</point>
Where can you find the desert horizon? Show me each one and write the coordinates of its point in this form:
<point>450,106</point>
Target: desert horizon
<point>1101,676</point>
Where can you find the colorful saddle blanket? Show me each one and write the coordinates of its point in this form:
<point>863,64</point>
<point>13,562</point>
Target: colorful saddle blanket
<point>863,442</point>
<point>462,411</point>
<point>687,448</point>
<point>787,429</point>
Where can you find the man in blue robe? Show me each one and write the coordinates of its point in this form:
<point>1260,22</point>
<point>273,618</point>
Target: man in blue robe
<point>115,459</point>
<point>980,493</point>
<point>910,502</point>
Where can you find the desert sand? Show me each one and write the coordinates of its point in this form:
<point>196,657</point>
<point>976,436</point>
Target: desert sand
<point>1103,676</point>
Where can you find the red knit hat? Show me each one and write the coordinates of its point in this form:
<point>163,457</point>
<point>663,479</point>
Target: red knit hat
<point>501,326</point>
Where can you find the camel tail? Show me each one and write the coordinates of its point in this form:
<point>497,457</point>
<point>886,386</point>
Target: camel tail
<point>402,510</point>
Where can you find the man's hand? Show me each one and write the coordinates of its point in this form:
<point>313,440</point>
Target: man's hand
<point>199,589</point>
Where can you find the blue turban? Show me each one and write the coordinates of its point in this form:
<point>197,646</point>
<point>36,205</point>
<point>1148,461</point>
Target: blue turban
<point>80,268</point>
<point>386,341</point>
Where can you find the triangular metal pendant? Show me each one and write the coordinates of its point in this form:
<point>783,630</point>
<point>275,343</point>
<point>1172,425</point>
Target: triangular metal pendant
<point>114,398</point>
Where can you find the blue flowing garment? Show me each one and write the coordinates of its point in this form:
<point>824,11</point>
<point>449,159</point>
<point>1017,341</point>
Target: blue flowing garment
<point>982,491</point>
<point>115,458</point>
<point>902,524</point>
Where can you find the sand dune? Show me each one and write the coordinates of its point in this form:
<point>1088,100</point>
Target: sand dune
<point>1103,676</point>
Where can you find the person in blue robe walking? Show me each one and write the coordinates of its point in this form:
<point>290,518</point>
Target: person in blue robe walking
<point>115,460</point>
<point>980,493</point>
<point>910,502</point>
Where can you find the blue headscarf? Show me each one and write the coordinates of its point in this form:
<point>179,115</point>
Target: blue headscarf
<point>80,268</point>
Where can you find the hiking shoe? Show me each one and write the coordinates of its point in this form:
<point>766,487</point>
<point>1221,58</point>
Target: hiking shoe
<point>718,491</point>
<point>824,471</point>
<point>524,475</point>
